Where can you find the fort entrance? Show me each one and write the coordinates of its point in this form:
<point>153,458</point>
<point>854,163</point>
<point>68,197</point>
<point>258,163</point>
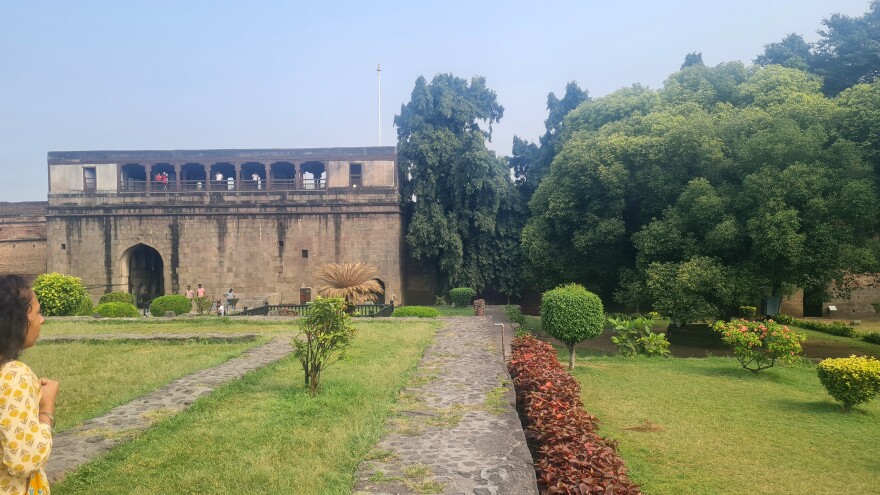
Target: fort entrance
<point>145,270</point>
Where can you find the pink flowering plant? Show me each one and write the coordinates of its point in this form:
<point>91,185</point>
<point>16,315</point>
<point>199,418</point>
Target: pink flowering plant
<point>757,345</point>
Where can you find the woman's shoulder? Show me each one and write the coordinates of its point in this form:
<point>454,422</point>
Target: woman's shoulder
<point>12,369</point>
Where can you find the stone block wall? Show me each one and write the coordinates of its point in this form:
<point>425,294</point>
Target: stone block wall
<point>253,245</point>
<point>23,238</point>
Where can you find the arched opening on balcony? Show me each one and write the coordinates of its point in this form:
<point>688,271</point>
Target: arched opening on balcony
<point>253,176</point>
<point>283,176</point>
<point>222,176</point>
<point>314,175</point>
<point>164,177</point>
<point>134,178</point>
<point>193,177</point>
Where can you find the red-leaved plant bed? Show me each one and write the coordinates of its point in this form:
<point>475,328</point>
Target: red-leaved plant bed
<point>571,457</point>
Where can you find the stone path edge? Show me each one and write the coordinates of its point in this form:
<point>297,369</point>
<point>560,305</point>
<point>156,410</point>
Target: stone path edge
<point>97,436</point>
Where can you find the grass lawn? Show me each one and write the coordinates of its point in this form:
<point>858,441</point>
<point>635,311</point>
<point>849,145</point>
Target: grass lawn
<point>96,377</point>
<point>706,426</point>
<point>207,324</point>
<point>264,434</point>
<point>450,311</point>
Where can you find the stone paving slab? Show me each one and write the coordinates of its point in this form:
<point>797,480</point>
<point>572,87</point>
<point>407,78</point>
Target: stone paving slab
<point>76,446</point>
<point>456,430</point>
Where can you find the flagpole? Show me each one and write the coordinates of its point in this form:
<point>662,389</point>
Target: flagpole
<point>379,77</point>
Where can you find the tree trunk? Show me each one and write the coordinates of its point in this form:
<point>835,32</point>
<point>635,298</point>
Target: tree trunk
<point>570,356</point>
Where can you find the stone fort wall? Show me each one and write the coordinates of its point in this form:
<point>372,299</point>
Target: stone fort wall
<point>23,238</point>
<point>255,245</point>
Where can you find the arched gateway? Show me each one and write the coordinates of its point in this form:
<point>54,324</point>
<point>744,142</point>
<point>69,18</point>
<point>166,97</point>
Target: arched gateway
<point>145,270</point>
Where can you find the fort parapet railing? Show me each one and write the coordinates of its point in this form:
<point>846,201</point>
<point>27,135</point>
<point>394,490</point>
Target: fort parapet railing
<point>369,310</point>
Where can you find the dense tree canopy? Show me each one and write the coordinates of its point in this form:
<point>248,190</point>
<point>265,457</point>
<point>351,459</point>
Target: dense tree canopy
<point>463,215</point>
<point>847,52</point>
<point>746,174</point>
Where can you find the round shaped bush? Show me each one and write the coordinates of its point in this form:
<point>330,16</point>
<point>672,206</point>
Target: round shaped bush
<point>59,295</point>
<point>85,307</point>
<point>117,297</point>
<point>572,314</point>
<point>175,302</point>
<point>462,296</point>
<point>117,310</point>
<point>851,381</point>
<point>416,311</point>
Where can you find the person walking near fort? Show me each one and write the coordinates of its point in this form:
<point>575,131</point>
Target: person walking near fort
<point>189,293</point>
<point>27,407</point>
<point>231,299</point>
<point>200,292</point>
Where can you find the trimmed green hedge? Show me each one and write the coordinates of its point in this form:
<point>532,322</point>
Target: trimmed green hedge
<point>117,310</point>
<point>117,297</point>
<point>872,337</point>
<point>834,328</point>
<point>851,381</point>
<point>175,302</point>
<point>416,311</point>
<point>59,295</point>
<point>462,296</point>
<point>85,306</point>
<point>572,314</point>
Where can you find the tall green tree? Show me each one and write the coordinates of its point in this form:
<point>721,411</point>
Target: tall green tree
<point>743,172</point>
<point>792,52</point>
<point>848,51</point>
<point>454,187</point>
<point>531,161</point>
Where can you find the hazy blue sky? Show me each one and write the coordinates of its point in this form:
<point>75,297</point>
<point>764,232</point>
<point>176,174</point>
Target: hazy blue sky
<point>84,75</point>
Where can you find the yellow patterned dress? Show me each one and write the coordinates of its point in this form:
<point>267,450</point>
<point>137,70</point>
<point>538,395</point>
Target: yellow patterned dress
<point>25,440</point>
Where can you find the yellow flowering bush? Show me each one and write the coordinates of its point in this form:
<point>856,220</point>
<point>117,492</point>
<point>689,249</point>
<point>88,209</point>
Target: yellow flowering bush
<point>851,381</point>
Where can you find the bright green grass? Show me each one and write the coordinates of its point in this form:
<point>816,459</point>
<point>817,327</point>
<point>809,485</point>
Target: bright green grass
<point>263,434</point>
<point>96,377</point>
<point>450,311</point>
<point>206,324</point>
<point>725,430</point>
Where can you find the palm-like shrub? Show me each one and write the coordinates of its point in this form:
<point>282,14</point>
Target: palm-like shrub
<point>354,282</point>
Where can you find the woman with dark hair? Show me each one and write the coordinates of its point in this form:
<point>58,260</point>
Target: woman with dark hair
<point>27,403</point>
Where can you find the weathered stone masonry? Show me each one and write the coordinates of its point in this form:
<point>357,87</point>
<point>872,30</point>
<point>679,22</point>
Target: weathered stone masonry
<point>259,241</point>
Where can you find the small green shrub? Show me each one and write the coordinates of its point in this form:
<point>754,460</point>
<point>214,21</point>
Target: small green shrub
<point>876,307</point>
<point>416,311</point>
<point>514,314</point>
<point>175,302</point>
<point>439,300</point>
<point>635,336</point>
<point>654,315</point>
<point>572,314</point>
<point>85,306</point>
<point>748,312</point>
<point>117,297</point>
<point>203,304</point>
<point>59,295</point>
<point>757,345</point>
<point>851,381</point>
<point>872,337</point>
<point>462,296</point>
<point>325,334</point>
<point>117,309</point>
<point>834,328</point>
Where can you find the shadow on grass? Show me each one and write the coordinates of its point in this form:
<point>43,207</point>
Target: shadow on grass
<point>813,407</point>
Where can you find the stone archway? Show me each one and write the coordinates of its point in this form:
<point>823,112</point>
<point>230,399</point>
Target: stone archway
<point>145,271</point>
<point>380,298</point>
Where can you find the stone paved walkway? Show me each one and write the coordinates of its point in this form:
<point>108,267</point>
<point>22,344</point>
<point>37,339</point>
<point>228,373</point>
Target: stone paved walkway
<point>456,430</point>
<point>95,437</point>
